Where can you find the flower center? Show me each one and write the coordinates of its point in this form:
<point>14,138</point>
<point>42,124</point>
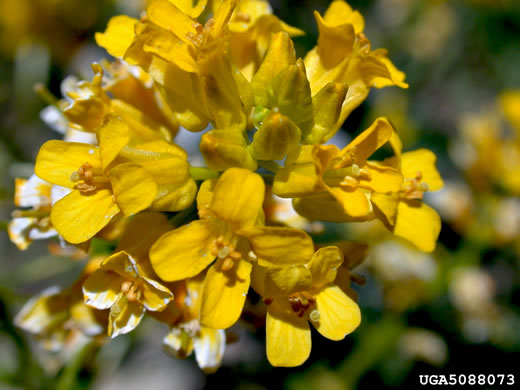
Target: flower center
<point>132,291</point>
<point>414,188</point>
<point>303,302</point>
<point>88,178</point>
<point>224,248</point>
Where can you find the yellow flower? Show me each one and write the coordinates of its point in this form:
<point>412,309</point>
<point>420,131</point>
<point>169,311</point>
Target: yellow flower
<point>120,285</point>
<point>55,315</point>
<point>404,213</point>
<point>187,335</point>
<point>33,223</point>
<point>298,294</point>
<point>112,178</point>
<point>251,27</point>
<point>343,54</point>
<point>135,98</point>
<point>229,230</point>
<point>335,185</point>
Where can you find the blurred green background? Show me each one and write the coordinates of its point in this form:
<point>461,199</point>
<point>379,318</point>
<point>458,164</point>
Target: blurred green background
<point>455,311</point>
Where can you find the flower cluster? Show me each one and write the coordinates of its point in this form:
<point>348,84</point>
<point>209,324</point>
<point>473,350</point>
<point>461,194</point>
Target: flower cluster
<point>190,242</point>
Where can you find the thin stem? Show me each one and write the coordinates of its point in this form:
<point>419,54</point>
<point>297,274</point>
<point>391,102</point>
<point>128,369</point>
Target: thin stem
<point>69,375</point>
<point>46,95</point>
<point>199,173</point>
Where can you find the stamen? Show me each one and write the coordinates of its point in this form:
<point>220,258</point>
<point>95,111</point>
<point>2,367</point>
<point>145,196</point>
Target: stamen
<point>223,252</point>
<point>227,264</point>
<point>314,316</point>
<point>355,169</point>
<point>349,181</point>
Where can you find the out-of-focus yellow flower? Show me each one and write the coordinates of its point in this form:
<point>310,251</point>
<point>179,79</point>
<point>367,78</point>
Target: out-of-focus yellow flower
<point>136,99</point>
<point>251,27</point>
<point>32,222</point>
<point>55,315</point>
<point>229,230</point>
<point>297,294</point>
<point>404,213</point>
<point>343,54</point>
<point>187,335</point>
<point>120,285</point>
<point>112,178</point>
<point>341,179</point>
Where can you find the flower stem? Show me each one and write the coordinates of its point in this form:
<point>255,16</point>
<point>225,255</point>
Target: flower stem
<point>199,173</point>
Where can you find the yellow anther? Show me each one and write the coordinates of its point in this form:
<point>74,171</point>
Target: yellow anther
<point>125,287</point>
<point>223,252</point>
<point>227,264</point>
<point>355,169</point>
<point>235,255</point>
<point>314,316</point>
<point>252,256</point>
<point>424,186</point>
<point>74,176</point>
<point>349,181</point>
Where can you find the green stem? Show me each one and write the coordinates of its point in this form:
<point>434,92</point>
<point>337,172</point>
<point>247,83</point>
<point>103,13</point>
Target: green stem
<point>199,173</point>
<point>68,378</point>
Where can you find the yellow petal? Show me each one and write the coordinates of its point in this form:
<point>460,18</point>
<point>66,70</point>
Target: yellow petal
<point>334,42</point>
<point>238,197</point>
<point>339,12</point>
<point>223,149</point>
<point>321,207</point>
<point>209,347</point>
<point>189,7</point>
<point>296,180</point>
<point>43,311</point>
<point>510,102</point>
<point>183,252</point>
<point>339,314</point>
<point>178,343</point>
<point>156,296</point>
<point>78,217</point>
<point>382,178</point>
<point>288,339</point>
<point>165,14</point>
<point>365,144</point>
<point>284,281</point>
<point>205,194</point>
<point>354,202</point>
<point>133,187</point>
<point>224,294</point>
<point>224,101</point>
<point>113,136</point>
<point>324,265</point>
<point>141,232</point>
<point>327,105</point>
<point>124,317</point>
<point>277,246</point>
<point>57,160</point>
<point>122,264</point>
<point>417,223</point>
<point>422,160</point>
<point>175,197</point>
<point>385,207</point>
<point>102,289</point>
<point>118,36</point>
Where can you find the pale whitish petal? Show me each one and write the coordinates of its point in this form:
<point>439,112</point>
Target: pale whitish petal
<point>102,289</point>
<point>39,234</point>
<point>209,348</point>
<point>54,119</point>
<point>34,192</point>
<point>33,317</point>
<point>84,137</point>
<point>58,192</point>
<point>124,317</point>
<point>156,296</point>
<point>178,343</point>
<point>17,231</point>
